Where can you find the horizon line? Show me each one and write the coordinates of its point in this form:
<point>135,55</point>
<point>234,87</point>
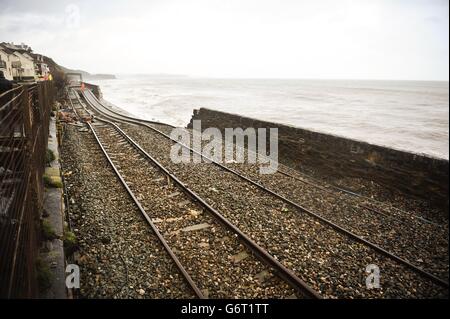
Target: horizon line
<point>267,78</point>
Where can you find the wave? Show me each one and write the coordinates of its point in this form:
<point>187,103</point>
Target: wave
<point>403,114</point>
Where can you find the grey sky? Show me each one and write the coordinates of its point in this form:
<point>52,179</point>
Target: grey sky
<point>362,39</point>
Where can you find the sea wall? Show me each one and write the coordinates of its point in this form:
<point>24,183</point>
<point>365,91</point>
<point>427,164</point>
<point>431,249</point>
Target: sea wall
<point>335,156</point>
<point>95,89</point>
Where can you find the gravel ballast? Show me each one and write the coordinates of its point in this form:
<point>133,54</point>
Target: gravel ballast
<point>331,262</point>
<point>220,265</point>
<point>119,256</point>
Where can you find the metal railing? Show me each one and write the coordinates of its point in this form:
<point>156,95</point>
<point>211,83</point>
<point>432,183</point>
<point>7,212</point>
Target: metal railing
<point>24,122</point>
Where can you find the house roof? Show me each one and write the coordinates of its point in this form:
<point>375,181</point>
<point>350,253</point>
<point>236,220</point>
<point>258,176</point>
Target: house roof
<point>23,56</point>
<point>27,55</point>
<point>14,47</point>
<point>4,48</point>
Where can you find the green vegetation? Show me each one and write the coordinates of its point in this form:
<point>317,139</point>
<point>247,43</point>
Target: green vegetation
<point>70,243</point>
<point>48,233</point>
<point>44,275</point>
<point>50,183</point>
<point>49,157</point>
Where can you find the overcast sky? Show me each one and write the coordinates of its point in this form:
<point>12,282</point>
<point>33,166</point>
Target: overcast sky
<point>361,39</point>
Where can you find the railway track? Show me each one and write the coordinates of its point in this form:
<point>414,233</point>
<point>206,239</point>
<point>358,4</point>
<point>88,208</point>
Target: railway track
<point>414,240</point>
<point>378,206</point>
<point>220,261</point>
<point>79,109</point>
<point>119,255</point>
<point>390,260</point>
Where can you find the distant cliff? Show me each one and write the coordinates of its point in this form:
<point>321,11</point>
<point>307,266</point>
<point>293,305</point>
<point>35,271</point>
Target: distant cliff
<point>99,76</point>
<point>89,76</point>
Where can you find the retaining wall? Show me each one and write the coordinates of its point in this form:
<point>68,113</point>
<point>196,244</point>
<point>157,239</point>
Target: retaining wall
<point>330,155</point>
<point>95,89</point>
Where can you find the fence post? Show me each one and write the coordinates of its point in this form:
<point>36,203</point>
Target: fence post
<point>28,134</point>
<point>27,115</point>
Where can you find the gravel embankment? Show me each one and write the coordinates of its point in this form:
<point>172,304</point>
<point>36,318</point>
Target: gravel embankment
<point>406,234</point>
<point>421,243</point>
<point>214,257</point>
<point>394,200</point>
<point>119,256</point>
<point>331,262</point>
<point>391,200</point>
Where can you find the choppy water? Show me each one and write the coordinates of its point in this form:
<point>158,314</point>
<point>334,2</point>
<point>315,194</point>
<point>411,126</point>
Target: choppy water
<point>407,115</point>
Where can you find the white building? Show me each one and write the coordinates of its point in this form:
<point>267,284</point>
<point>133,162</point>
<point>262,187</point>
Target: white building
<point>5,64</point>
<point>42,70</point>
<point>19,63</point>
<point>23,68</point>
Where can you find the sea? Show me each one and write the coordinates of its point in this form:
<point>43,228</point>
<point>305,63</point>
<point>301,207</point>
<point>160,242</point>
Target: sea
<point>406,115</point>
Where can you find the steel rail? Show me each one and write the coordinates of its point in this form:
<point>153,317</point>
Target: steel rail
<point>381,212</point>
<point>126,116</point>
<point>352,193</point>
<point>148,219</point>
<point>172,255</point>
<point>340,229</point>
<point>260,252</point>
<point>343,190</point>
<point>263,255</point>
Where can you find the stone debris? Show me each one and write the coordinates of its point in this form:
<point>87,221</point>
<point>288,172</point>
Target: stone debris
<point>194,213</point>
<point>67,116</point>
<point>328,261</point>
<point>199,246</point>
<point>196,227</point>
<point>239,257</point>
<point>173,194</point>
<point>309,247</point>
<point>263,276</point>
<point>184,203</point>
<point>115,244</point>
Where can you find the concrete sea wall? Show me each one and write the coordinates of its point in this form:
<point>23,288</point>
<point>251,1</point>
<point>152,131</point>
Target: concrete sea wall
<point>329,155</point>
<point>95,89</point>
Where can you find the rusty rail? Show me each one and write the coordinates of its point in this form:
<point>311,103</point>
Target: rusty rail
<point>24,121</point>
<point>100,108</point>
